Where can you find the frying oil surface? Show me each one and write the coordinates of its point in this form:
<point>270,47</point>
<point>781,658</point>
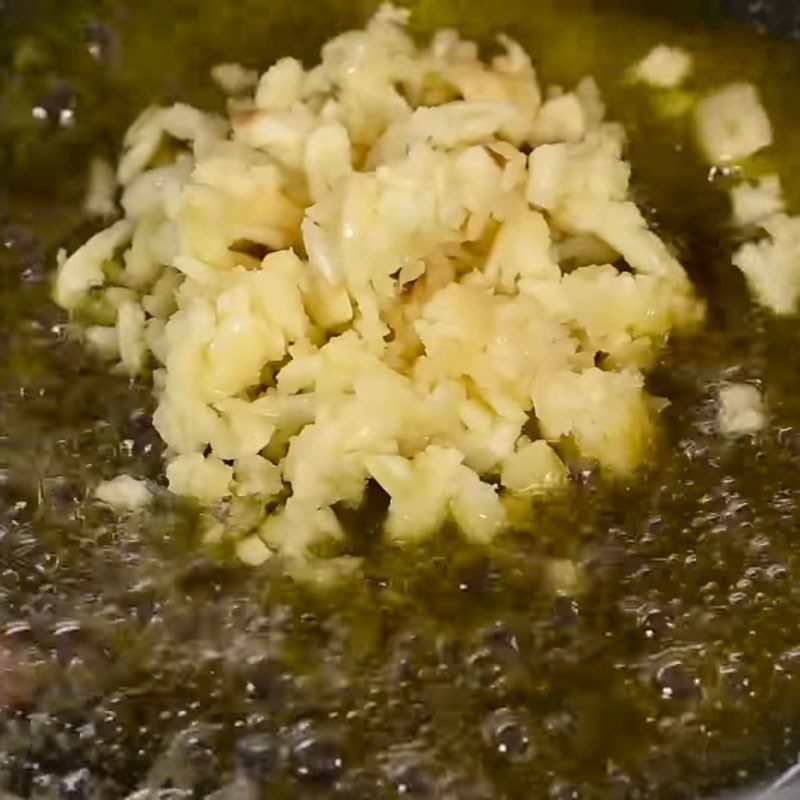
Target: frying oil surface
<point>669,668</point>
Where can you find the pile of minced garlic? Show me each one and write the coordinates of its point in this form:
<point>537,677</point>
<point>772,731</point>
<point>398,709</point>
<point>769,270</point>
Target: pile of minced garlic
<point>404,265</point>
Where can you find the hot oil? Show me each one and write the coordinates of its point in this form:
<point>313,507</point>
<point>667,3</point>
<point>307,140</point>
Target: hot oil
<point>635,641</point>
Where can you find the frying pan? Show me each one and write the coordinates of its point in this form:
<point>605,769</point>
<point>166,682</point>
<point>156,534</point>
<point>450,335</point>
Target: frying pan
<point>778,18</point>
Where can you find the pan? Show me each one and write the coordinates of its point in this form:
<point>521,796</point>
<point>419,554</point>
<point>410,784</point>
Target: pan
<point>138,661</point>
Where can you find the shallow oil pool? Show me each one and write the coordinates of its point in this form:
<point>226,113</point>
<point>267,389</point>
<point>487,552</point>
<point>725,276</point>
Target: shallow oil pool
<point>132,657</point>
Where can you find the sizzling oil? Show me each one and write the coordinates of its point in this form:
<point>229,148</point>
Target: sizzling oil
<point>131,656</point>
